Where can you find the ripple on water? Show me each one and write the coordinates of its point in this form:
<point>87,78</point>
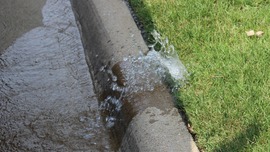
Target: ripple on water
<point>47,99</point>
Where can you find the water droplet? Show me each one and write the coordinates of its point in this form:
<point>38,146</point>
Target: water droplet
<point>125,59</point>
<point>110,121</point>
<point>114,86</point>
<point>88,136</point>
<point>102,68</point>
<point>82,118</point>
<point>114,78</point>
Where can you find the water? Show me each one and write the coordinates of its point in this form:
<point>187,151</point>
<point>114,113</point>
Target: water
<point>143,73</point>
<point>47,102</point>
<point>168,57</point>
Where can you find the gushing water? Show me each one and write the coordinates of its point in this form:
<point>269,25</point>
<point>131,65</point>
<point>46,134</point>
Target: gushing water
<point>167,57</point>
<point>144,73</point>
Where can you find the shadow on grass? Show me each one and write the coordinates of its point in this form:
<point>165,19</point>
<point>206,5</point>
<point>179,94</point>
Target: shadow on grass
<point>242,140</point>
<point>247,138</point>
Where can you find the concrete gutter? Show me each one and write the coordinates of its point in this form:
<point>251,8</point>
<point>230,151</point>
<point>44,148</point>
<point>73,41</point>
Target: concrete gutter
<point>149,120</point>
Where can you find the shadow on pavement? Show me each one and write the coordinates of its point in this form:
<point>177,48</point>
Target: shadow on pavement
<point>241,141</point>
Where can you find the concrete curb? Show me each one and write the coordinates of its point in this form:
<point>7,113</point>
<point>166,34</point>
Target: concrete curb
<point>150,121</point>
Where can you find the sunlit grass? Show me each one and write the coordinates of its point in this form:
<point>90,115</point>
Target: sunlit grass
<point>227,98</point>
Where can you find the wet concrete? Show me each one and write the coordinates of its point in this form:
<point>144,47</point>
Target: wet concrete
<point>155,130</point>
<point>115,37</point>
<point>141,111</point>
<point>15,22</point>
<point>47,102</point>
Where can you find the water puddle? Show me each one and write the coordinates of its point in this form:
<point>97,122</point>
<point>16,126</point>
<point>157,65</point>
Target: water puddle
<point>47,102</point>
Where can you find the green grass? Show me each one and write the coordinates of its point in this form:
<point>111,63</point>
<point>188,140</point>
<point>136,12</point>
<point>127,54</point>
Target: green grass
<point>227,98</point>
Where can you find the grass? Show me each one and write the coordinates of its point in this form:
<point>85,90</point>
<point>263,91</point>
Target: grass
<point>227,98</point>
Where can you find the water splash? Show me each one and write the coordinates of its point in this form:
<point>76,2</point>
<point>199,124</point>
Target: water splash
<point>163,51</point>
<point>142,74</point>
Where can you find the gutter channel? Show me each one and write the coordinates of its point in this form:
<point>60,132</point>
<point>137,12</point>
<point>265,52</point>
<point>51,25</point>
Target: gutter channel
<point>148,120</point>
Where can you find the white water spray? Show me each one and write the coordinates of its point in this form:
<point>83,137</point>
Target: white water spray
<point>144,73</point>
<point>167,57</point>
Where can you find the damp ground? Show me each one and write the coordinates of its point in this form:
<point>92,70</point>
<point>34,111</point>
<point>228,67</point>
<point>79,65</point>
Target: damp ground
<point>47,98</point>
<point>47,102</point>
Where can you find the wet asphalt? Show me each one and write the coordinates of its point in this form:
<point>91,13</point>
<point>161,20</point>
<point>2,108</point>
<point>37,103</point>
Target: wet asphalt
<point>47,102</point>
